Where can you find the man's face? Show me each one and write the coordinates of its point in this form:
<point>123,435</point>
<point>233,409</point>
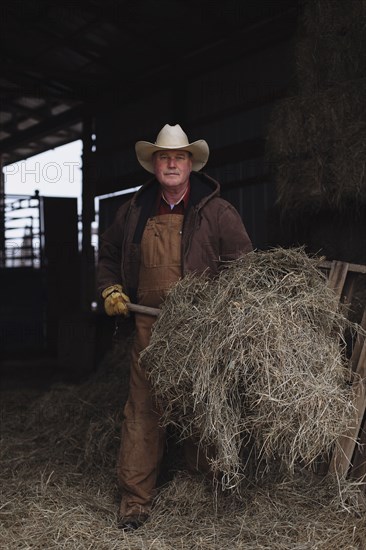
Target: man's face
<point>172,168</point>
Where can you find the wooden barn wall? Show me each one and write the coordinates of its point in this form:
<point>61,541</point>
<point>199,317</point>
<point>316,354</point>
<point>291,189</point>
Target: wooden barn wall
<point>229,107</point>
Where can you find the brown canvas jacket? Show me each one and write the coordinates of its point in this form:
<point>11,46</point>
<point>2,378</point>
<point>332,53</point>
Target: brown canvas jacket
<point>213,232</point>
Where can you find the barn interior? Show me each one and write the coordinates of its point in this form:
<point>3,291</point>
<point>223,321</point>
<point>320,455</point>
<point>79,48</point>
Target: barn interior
<point>277,88</point>
<point>113,72</point>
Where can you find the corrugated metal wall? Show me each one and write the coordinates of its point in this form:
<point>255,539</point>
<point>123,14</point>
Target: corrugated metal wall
<point>230,108</point>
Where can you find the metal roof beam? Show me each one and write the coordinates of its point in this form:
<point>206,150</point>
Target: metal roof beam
<point>38,131</point>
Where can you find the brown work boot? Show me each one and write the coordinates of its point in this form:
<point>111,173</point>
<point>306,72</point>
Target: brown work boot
<point>131,523</point>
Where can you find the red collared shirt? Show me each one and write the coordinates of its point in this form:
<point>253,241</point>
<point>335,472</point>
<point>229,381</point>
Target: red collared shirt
<point>163,207</point>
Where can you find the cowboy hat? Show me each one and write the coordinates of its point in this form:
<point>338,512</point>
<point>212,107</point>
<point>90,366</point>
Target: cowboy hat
<point>172,137</point>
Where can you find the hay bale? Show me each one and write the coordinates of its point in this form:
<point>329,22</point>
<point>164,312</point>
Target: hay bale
<point>255,355</point>
<point>299,184</point>
<point>325,17</point>
<point>331,45</point>
<point>316,140</point>
<point>317,144</point>
<point>303,125</point>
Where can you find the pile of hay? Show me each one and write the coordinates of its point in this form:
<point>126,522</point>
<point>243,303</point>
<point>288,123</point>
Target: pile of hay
<point>254,357</point>
<point>77,425</point>
<point>316,139</point>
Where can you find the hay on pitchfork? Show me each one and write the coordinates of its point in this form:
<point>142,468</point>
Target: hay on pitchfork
<point>256,354</point>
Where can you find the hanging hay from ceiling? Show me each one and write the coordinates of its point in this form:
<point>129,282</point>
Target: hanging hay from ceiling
<point>255,355</point>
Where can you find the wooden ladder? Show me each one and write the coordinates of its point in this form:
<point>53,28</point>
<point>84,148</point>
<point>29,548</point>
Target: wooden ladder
<point>349,456</point>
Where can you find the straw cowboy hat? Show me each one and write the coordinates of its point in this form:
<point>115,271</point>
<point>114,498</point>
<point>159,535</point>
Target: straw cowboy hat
<point>172,137</point>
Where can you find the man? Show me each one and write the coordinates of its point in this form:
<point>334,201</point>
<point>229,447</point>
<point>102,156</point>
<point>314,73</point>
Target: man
<point>175,224</point>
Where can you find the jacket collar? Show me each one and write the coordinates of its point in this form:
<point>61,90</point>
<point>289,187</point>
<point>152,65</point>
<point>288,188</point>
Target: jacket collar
<point>203,188</point>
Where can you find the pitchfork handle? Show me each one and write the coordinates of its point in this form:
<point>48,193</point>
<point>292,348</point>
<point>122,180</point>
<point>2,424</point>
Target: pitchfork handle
<point>136,308</point>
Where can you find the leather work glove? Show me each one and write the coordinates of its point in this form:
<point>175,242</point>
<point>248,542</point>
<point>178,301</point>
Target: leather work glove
<point>115,301</point>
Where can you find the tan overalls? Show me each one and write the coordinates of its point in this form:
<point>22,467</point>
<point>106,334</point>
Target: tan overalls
<point>143,439</point>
